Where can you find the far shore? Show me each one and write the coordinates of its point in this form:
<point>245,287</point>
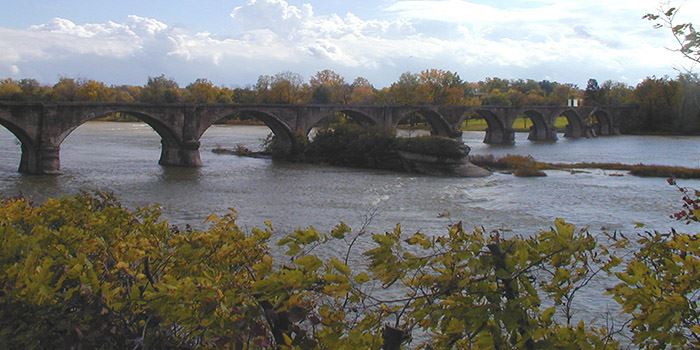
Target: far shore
<point>477,127</point>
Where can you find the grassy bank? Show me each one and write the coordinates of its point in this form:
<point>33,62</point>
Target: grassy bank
<point>519,125</point>
<point>526,165</point>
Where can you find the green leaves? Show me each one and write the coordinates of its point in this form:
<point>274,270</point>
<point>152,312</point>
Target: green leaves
<point>658,288</point>
<point>85,271</point>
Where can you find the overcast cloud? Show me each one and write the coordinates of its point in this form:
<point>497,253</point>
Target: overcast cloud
<point>567,41</point>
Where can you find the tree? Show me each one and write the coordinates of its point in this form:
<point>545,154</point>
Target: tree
<point>285,87</point>
<point>201,91</point>
<point>65,90</point>
<point>160,90</point>
<point>93,91</point>
<point>438,86</point>
<point>10,90</point>
<point>32,90</point>
<point>336,89</point>
<point>658,102</point>
<point>592,94</point>
<point>362,92</point>
<point>497,97</point>
<point>685,34</point>
<point>406,91</point>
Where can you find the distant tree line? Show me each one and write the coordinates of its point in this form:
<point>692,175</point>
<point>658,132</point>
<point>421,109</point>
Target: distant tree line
<point>666,104</point>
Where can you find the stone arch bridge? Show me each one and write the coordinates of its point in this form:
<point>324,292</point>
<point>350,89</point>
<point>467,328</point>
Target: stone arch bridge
<point>42,127</point>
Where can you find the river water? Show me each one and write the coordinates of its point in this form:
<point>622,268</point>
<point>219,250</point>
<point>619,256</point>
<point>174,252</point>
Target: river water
<point>123,158</point>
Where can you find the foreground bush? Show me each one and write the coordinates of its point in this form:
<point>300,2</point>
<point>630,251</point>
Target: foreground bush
<point>84,272</point>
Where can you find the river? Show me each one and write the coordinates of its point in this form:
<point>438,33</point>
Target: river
<point>123,158</point>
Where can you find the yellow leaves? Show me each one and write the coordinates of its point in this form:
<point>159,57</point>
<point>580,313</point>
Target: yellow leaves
<point>340,230</point>
<point>420,239</point>
<point>455,326</point>
<point>696,330</point>
<point>308,262</point>
<point>339,266</point>
<point>564,228</point>
<point>287,339</point>
<point>223,282</point>
<point>213,218</point>
<point>264,266</point>
<point>547,315</point>
<point>361,278</point>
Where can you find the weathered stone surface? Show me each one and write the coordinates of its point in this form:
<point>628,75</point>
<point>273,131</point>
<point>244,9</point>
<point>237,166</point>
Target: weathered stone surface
<point>436,166</point>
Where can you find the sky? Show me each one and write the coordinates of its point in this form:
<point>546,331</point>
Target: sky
<point>232,42</point>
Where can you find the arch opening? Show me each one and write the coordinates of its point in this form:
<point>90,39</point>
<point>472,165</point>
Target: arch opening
<point>569,122</point>
<point>600,123</point>
<point>166,134</point>
<point>342,117</point>
<point>260,132</point>
<point>96,138</point>
<point>15,139</point>
<point>422,122</point>
<point>496,132</point>
<point>536,125</point>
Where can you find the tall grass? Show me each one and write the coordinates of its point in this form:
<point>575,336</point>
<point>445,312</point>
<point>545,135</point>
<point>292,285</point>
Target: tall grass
<point>527,163</point>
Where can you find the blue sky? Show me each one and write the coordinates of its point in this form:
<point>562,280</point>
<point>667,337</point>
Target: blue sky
<point>231,42</point>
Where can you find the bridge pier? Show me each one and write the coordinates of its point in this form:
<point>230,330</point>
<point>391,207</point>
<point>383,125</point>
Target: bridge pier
<point>499,137</point>
<point>547,134</point>
<point>574,132</point>
<point>44,160</point>
<point>182,155</point>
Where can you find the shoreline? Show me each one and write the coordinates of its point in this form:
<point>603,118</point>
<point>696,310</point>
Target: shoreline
<point>518,130</point>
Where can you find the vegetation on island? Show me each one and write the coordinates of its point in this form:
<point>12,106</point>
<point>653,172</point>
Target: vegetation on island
<point>86,272</point>
<point>528,166</point>
<point>352,145</point>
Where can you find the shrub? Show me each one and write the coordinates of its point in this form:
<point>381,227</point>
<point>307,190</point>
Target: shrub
<point>84,272</point>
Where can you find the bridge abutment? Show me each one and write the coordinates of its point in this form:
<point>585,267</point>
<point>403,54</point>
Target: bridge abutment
<point>181,155</point>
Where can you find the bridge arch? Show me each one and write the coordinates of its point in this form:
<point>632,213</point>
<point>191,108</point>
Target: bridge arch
<point>284,135</point>
<point>540,130</point>
<point>496,132</point>
<point>173,151</point>
<point>27,144</point>
<point>17,131</point>
<point>167,134</point>
<point>600,123</point>
<point>576,124</point>
<point>357,116</point>
<point>438,125</point>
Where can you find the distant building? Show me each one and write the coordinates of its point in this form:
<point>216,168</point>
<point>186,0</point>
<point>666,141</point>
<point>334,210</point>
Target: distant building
<point>574,102</point>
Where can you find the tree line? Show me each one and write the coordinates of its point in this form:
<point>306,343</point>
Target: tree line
<point>666,104</point>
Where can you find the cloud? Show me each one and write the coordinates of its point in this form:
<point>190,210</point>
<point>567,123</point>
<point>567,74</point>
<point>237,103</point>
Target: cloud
<point>562,40</point>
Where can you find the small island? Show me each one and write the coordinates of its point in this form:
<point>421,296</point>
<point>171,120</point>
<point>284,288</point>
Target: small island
<point>355,146</point>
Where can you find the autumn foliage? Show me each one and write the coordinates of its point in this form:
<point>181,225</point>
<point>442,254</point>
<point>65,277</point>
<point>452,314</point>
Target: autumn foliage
<point>85,272</point>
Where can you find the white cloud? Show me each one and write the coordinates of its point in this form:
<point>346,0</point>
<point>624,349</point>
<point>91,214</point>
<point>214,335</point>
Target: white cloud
<point>563,40</point>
